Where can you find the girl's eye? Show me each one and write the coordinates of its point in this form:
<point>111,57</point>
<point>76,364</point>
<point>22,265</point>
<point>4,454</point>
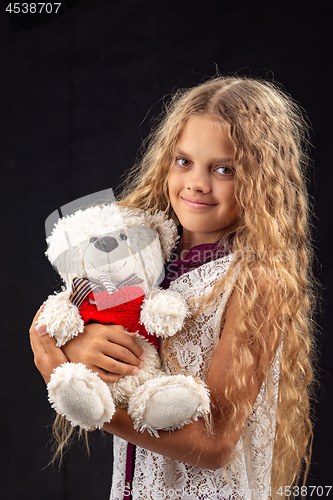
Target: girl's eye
<point>225,170</point>
<point>183,162</point>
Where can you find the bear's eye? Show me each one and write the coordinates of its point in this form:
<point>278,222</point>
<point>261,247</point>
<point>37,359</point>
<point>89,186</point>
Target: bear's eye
<point>92,240</point>
<point>122,237</point>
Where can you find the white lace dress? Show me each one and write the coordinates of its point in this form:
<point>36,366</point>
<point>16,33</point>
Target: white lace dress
<point>159,478</point>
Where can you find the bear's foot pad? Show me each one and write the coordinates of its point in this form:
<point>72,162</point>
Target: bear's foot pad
<point>171,406</point>
<point>168,403</point>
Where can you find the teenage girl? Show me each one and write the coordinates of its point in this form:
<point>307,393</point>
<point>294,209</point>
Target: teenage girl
<point>227,163</point>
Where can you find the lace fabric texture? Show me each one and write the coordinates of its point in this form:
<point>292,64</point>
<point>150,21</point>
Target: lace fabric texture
<point>157,477</point>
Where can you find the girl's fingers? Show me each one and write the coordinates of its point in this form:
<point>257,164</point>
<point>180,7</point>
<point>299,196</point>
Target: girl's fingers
<point>47,355</point>
<point>109,350</point>
<point>105,347</point>
<point>121,337</point>
<point>107,377</point>
<point>124,353</point>
<point>34,321</point>
<point>35,341</point>
<point>110,369</point>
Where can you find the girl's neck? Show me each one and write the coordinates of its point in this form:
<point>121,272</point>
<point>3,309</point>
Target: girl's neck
<point>189,240</point>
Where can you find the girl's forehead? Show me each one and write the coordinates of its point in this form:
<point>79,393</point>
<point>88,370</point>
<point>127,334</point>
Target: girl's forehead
<point>206,122</point>
<point>204,131</point>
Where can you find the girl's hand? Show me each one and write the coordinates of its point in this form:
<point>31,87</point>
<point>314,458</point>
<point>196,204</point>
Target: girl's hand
<point>109,350</point>
<point>47,355</point>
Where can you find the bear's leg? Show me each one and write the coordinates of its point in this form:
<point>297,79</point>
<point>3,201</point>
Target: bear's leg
<point>168,403</point>
<point>81,396</point>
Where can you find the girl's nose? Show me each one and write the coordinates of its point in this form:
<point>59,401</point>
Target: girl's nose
<point>198,181</point>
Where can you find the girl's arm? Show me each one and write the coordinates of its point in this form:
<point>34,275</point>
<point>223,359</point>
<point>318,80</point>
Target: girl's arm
<point>47,355</point>
<point>109,350</point>
<point>193,444</point>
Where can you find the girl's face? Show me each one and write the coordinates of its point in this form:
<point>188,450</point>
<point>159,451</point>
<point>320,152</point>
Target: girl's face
<point>202,180</point>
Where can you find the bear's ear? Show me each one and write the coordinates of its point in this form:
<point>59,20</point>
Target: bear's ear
<point>167,231</point>
<point>64,252</point>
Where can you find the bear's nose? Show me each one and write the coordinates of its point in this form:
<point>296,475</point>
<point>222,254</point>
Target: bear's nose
<point>106,244</point>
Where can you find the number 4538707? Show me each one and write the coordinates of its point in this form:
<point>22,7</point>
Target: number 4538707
<point>304,491</point>
<point>33,8</point>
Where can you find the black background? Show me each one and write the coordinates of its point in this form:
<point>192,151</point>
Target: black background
<point>78,94</point>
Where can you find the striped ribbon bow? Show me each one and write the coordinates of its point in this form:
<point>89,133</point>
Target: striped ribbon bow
<point>82,287</point>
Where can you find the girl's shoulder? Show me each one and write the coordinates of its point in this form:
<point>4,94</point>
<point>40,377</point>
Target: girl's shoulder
<point>202,279</point>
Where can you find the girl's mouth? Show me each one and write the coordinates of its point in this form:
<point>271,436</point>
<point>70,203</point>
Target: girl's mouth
<point>197,203</point>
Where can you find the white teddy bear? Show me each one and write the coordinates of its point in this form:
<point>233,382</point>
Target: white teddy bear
<point>111,259</point>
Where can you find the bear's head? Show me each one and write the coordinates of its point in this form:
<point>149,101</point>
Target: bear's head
<point>114,241</point>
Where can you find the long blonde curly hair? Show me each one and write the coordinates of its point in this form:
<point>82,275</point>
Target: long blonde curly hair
<point>272,241</point>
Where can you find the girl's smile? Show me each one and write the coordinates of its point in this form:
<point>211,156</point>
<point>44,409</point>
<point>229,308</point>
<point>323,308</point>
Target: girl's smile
<point>197,203</point>
<point>202,181</point>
